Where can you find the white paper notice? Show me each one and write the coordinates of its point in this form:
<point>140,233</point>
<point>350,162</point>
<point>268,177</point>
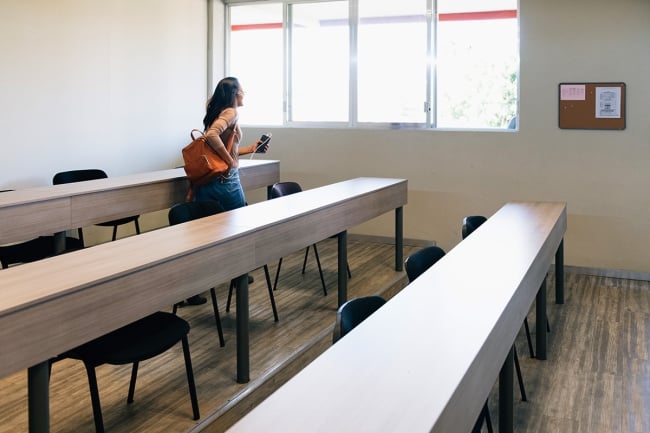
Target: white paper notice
<point>608,102</point>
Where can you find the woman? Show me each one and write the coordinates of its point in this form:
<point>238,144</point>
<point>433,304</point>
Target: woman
<point>220,122</point>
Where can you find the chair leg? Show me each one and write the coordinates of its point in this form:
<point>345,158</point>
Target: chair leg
<point>304,262</point>
<point>137,226</point>
<point>134,376</point>
<point>217,319</point>
<point>528,338</point>
<point>520,378</point>
<point>488,420</point>
<point>80,233</point>
<point>114,232</point>
<point>94,398</point>
<point>271,297</point>
<point>277,274</point>
<point>190,378</point>
<point>320,270</point>
<point>230,290</point>
<point>483,416</point>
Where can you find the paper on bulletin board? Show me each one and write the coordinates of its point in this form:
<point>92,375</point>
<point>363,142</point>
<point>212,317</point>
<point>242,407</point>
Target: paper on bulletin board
<point>608,102</point>
<point>572,92</point>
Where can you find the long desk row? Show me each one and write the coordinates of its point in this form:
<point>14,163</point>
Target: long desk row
<point>427,360</point>
<point>61,302</point>
<point>46,210</point>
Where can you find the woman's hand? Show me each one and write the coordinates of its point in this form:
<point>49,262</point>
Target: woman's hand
<point>261,148</point>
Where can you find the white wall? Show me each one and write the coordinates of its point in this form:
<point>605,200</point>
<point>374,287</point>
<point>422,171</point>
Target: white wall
<point>112,84</point>
<point>118,84</point>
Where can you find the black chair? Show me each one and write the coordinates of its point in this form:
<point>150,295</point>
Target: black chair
<point>415,265</point>
<point>353,312</point>
<point>132,344</point>
<point>421,260</point>
<point>33,249</point>
<point>184,212</point>
<point>73,176</point>
<point>470,224</point>
<point>281,189</point>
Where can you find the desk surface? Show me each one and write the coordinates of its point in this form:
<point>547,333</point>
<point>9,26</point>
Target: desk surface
<point>45,210</point>
<point>427,360</point>
<point>60,302</point>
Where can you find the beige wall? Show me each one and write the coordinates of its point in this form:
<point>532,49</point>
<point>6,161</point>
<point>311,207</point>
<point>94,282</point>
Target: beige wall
<point>118,84</point>
<point>604,176</point>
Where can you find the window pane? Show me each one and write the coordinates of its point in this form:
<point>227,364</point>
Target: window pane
<point>320,62</point>
<point>477,64</point>
<point>392,61</point>
<point>256,57</point>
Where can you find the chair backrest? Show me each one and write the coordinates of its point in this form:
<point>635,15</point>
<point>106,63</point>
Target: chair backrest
<point>78,176</point>
<point>471,223</point>
<point>421,260</point>
<point>184,212</point>
<point>353,312</point>
<point>280,189</point>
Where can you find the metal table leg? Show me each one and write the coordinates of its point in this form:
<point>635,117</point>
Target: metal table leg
<point>243,359</point>
<point>399,238</point>
<point>506,395</point>
<point>559,274</point>
<point>540,319</point>
<point>38,384</point>
<point>342,267</point>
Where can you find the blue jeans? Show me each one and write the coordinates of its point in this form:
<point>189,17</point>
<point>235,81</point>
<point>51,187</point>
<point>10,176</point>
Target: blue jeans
<point>227,191</point>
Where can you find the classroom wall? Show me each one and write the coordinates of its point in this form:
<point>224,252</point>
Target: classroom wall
<point>118,84</point>
<point>602,175</point>
<point>111,84</point>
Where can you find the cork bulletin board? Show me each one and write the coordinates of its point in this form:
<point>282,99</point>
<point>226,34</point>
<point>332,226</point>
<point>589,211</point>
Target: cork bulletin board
<point>591,105</point>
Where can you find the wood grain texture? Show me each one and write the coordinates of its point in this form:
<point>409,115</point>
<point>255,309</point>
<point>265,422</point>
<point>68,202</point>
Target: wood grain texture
<point>595,380</point>
<point>61,302</point>
<point>428,359</point>
<point>39,211</point>
<point>279,351</point>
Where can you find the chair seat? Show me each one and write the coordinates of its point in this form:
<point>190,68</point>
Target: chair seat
<point>118,222</point>
<point>138,341</point>
<point>34,249</point>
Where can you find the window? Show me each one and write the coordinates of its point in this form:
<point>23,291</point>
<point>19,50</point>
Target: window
<point>319,59</point>
<point>414,63</point>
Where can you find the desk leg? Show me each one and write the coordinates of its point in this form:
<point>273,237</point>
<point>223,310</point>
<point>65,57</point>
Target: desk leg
<point>342,266</point>
<point>540,321</point>
<point>59,242</point>
<point>559,274</point>
<point>399,238</point>
<point>38,384</point>
<point>506,394</point>
<point>243,360</point>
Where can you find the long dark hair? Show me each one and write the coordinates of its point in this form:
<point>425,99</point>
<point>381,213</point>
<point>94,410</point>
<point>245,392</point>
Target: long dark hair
<point>224,96</point>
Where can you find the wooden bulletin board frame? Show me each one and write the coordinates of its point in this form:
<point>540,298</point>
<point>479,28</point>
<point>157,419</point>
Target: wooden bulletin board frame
<point>591,105</point>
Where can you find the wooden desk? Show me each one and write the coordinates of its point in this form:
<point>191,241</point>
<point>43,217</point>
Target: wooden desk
<point>55,304</point>
<point>427,360</point>
<point>33,212</point>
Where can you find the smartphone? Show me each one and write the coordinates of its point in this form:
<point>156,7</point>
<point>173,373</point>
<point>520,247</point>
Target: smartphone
<point>265,138</point>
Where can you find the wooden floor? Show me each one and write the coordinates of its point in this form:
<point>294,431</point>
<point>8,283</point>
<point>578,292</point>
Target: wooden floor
<point>596,378</point>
